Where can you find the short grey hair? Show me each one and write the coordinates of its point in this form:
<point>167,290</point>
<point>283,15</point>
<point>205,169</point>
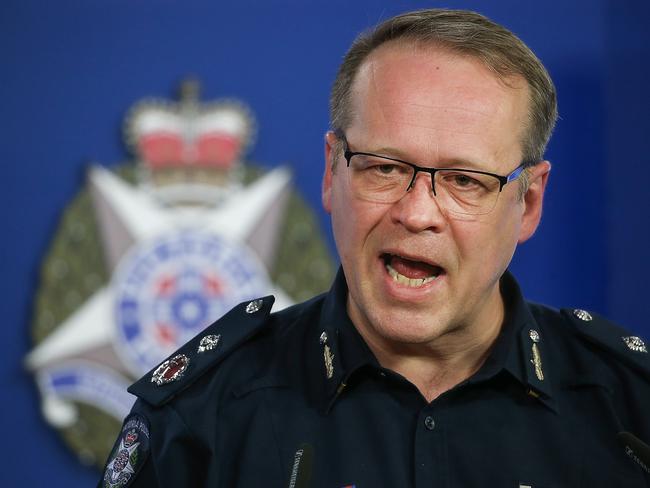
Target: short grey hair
<point>465,33</point>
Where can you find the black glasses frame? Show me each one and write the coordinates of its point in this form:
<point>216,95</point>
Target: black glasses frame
<point>503,180</point>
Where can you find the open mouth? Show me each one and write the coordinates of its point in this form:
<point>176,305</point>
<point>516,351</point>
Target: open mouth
<point>410,272</point>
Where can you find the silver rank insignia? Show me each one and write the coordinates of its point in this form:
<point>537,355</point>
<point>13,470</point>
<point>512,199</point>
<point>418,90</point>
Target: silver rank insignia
<point>170,370</point>
<point>254,306</point>
<point>583,315</point>
<point>537,358</point>
<point>208,343</point>
<point>328,357</point>
<point>635,343</point>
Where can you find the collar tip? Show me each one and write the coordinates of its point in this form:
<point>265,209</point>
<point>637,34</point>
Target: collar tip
<point>543,396</point>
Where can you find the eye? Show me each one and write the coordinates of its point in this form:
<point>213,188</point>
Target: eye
<point>462,180</point>
<point>371,166</point>
<point>386,169</point>
<point>465,182</point>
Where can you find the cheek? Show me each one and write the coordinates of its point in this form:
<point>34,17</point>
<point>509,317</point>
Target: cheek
<point>505,244</point>
<point>344,221</point>
<point>487,244</point>
<point>354,223</point>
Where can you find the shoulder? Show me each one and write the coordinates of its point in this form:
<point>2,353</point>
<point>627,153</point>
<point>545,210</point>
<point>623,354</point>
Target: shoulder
<point>596,368</point>
<point>603,333</point>
<point>596,338</point>
<point>246,335</point>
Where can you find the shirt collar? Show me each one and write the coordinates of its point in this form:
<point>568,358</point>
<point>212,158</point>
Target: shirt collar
<point>348,350</point>
<point>519,349</point>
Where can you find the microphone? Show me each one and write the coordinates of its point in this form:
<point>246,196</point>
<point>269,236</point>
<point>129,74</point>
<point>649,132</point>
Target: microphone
<point>301,471</point>
<point>638,450</point>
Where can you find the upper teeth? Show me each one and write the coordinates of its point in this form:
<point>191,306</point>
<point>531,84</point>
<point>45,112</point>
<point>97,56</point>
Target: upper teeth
<point>405,280</point>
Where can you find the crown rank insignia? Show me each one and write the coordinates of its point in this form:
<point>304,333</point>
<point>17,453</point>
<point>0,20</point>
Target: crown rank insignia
<point>188,152</point>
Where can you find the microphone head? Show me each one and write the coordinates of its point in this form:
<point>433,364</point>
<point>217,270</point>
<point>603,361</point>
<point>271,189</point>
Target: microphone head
<point>638,450</point>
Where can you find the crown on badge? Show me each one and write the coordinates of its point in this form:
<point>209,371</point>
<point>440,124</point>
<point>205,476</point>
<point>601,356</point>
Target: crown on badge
<point>190,152</point>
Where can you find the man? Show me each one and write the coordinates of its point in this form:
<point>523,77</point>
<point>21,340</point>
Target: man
<point>423,366</point>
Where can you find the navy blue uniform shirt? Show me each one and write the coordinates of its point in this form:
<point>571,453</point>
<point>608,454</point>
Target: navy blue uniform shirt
<point>296,398</point>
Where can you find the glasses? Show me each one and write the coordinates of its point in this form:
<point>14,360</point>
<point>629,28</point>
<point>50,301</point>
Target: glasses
<point>385,180</point>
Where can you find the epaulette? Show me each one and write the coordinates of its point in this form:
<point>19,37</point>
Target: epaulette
<point>203,352</point>
<point>625,346</point>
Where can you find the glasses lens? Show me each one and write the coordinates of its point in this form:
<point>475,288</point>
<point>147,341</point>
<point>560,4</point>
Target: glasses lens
<point>379,179</point>
<point>466,192</point>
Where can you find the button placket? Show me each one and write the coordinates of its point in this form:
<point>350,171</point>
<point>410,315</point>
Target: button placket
<point>430,449</point>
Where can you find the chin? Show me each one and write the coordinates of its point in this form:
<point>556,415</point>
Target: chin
<point>407,327</point>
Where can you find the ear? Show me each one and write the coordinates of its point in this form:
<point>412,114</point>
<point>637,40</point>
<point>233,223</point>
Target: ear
<point>533,199</point>
<point>326,195</point>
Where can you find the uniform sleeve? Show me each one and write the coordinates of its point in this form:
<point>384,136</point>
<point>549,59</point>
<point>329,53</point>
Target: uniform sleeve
<point>155,449</point>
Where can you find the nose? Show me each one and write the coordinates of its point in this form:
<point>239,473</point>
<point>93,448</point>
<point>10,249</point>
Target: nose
<point>418,210</point>
<point>423,174</point>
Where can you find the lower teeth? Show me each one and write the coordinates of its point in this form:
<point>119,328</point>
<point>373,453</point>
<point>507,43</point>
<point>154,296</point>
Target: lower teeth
<point>405,280</point>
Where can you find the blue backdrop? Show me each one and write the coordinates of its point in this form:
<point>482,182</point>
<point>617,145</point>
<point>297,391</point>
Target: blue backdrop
<point>70,70</point>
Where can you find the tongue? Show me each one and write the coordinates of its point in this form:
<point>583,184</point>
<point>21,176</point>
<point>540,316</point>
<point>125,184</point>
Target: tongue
<point>413,269</point>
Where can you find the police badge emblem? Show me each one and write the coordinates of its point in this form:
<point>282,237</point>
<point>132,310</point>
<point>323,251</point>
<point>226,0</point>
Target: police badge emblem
<point>168,289</point>
<point>129,454</point>
<point>147,257</point>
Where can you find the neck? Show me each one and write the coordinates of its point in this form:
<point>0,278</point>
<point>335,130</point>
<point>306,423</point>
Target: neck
<point>451,358</point>
<point>435,373</point>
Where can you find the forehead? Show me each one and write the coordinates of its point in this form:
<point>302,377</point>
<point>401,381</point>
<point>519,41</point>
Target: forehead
<point>425,93</point>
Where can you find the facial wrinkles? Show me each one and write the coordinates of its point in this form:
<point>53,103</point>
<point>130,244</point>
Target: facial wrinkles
<point>400,104</point>
<point>389,114</point>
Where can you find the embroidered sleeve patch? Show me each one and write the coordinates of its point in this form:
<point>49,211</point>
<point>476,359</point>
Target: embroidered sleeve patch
<point>129,454</point>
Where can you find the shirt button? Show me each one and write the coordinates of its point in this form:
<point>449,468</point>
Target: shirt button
<point>429,423</point>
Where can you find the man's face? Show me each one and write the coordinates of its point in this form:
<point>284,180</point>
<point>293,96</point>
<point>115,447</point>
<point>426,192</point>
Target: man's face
<point>435,109</point>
